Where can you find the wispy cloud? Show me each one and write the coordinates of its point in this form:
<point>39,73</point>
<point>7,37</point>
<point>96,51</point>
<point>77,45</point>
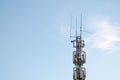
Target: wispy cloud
<point>105,35</point>
<point>65,30</point>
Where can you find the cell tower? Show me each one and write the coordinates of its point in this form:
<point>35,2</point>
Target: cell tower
<point>79,56</point>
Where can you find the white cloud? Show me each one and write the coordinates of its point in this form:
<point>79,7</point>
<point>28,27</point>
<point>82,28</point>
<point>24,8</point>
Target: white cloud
<point>65,30</point>
<point>106,34</point>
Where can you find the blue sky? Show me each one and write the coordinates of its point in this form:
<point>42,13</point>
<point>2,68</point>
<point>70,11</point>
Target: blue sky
<point>35,43</point>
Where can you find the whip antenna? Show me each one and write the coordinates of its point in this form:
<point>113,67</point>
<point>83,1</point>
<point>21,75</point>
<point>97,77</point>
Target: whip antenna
<point>76,26</point>
<point>81,26</point>
<point>70,25</point>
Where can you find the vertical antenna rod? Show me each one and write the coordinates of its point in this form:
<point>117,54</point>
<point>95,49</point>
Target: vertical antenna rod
<point>81,26</point>
<point>76,25</point>
<point>70,25</point>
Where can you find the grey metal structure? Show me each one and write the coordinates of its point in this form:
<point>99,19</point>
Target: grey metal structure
<point>79,56</point>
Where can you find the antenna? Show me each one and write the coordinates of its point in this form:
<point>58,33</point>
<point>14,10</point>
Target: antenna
<point>76,26</point>
<point>81,27</point>
<point>70,25</point>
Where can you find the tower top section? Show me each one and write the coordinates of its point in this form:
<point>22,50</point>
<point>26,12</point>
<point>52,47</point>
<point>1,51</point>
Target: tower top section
<point>79,56</point>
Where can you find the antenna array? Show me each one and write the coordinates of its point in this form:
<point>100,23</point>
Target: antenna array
<point>79,56</point>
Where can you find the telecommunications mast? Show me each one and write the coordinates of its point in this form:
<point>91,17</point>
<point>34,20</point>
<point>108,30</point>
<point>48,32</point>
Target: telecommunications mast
<point>79,56</point>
